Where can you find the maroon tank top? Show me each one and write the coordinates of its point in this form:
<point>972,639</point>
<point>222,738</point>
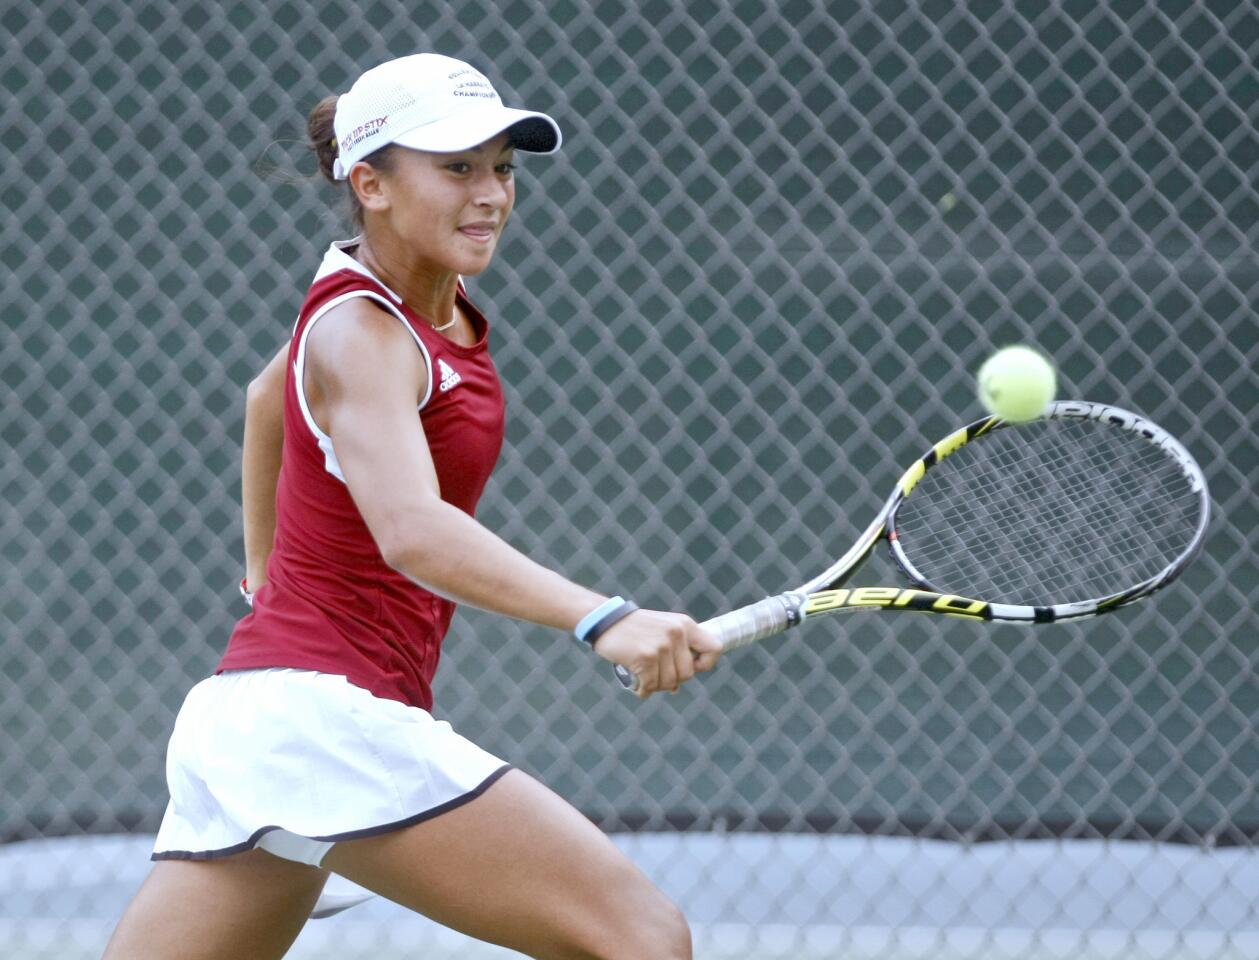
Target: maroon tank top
<point>330,602</point>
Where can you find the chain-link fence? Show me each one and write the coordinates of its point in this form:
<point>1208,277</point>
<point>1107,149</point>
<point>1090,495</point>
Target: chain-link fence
<point>759,277</point>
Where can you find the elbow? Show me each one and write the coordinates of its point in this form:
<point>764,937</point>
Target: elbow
<point>397,553</point>
<point>411,555</point>
<point>408,558</point>
<point>261,391</point>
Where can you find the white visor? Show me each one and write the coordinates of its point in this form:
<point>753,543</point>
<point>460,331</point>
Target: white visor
<point>433,103</point>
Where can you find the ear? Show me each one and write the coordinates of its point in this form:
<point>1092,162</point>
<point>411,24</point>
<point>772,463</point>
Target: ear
<point>366,182</point>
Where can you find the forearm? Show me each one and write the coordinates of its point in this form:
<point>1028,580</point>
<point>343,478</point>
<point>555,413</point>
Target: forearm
<point>459,559</point>
<point>260,472</point>
<point>462,560</point>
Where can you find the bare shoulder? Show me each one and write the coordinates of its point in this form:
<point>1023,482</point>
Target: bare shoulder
<point>358,343</point>
<point>358,324</point>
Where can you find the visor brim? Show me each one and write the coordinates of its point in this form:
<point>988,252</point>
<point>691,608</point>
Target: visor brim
<point>531,132</point>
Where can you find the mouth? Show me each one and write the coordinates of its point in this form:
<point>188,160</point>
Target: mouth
<point>480,232</point>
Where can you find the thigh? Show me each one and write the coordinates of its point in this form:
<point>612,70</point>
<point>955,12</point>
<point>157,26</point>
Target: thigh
<point>519,867</point>
<point>248,905</point>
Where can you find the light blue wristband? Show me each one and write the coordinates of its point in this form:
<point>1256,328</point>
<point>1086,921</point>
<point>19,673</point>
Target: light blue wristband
<point>585,624</point>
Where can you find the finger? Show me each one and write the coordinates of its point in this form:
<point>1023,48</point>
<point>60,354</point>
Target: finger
<point>648,673</point>
<point>707,650</point>
<point>668,668</point>
<point>706,661</point>
<point>683,659</point>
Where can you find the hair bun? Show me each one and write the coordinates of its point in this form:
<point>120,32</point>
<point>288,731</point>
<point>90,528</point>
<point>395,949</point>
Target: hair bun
<point>321,134</point>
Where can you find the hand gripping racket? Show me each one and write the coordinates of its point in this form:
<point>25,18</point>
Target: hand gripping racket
<point>1080,512</point>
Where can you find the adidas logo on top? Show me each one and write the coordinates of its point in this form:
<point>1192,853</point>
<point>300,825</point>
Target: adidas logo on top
<point>450,376</point>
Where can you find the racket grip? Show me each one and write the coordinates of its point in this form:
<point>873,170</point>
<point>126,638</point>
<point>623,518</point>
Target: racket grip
<point>756,621</point>
<point>741,627</point>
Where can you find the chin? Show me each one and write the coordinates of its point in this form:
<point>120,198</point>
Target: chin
<point>471,269</point>
<point>471,266</point>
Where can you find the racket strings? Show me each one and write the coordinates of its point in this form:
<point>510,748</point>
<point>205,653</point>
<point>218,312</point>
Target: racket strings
<point>1053,509</point>
<point>1067,502</point>
<point>1055,528</point>
<point>1055,524</point>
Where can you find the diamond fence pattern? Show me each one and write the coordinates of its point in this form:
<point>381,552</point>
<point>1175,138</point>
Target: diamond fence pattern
<point>776,245</point>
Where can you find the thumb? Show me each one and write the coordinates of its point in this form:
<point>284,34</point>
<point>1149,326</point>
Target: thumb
<point>706,648</point>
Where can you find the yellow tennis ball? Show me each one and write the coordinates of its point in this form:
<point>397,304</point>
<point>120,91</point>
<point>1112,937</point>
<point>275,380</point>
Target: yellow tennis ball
<point>1016,384</point>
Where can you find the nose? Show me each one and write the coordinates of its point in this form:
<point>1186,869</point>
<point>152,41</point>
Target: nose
<point>491,191</point>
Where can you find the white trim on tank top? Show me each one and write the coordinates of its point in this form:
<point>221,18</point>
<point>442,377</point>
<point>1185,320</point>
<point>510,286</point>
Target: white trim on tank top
<point>335,258</point>
<point>331,464</point>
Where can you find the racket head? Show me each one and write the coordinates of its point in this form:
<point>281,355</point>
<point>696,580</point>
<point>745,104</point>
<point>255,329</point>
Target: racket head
<point>1086,509</point>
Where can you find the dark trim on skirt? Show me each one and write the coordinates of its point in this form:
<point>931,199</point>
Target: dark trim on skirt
<point>252,842</point>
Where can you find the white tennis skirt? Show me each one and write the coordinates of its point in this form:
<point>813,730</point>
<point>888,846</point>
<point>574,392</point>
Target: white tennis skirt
<point>293,761</point>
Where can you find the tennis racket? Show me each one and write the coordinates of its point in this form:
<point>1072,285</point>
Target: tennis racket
<point>1082,511</point>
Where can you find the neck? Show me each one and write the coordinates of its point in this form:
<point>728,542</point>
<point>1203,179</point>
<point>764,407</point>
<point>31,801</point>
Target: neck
<point>430,293</point>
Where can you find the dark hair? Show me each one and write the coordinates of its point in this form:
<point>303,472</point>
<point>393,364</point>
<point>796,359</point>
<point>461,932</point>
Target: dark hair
<point>323,143</point>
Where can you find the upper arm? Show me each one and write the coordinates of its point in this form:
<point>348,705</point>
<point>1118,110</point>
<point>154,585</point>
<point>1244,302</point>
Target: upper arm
<point>363,377</point>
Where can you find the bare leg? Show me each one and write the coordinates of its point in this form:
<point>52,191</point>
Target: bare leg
<point>519,867</point>
<point>248,905</point>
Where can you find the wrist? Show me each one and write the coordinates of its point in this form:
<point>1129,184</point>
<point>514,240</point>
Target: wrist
<point>602,618</point>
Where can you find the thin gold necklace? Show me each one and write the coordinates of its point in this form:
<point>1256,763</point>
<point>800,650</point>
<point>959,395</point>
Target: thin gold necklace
<point>454,315</point>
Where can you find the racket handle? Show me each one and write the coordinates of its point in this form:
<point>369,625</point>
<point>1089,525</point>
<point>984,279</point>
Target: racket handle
<point>756,621</point>
<point>741,627</point>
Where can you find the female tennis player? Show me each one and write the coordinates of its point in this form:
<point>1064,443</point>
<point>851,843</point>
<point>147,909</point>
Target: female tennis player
<point>312,748</point>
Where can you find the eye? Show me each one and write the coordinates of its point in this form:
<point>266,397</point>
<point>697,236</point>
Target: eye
<point>505,169</point>
<point>459,166</point>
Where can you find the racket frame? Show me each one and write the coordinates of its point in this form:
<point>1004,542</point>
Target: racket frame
<point>1075,610</point>
<point>826,593</point>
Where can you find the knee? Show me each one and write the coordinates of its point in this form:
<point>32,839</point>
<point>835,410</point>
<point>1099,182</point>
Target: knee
<point>659,933</point>
<point>674,934</point>
<point>638,927</point>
